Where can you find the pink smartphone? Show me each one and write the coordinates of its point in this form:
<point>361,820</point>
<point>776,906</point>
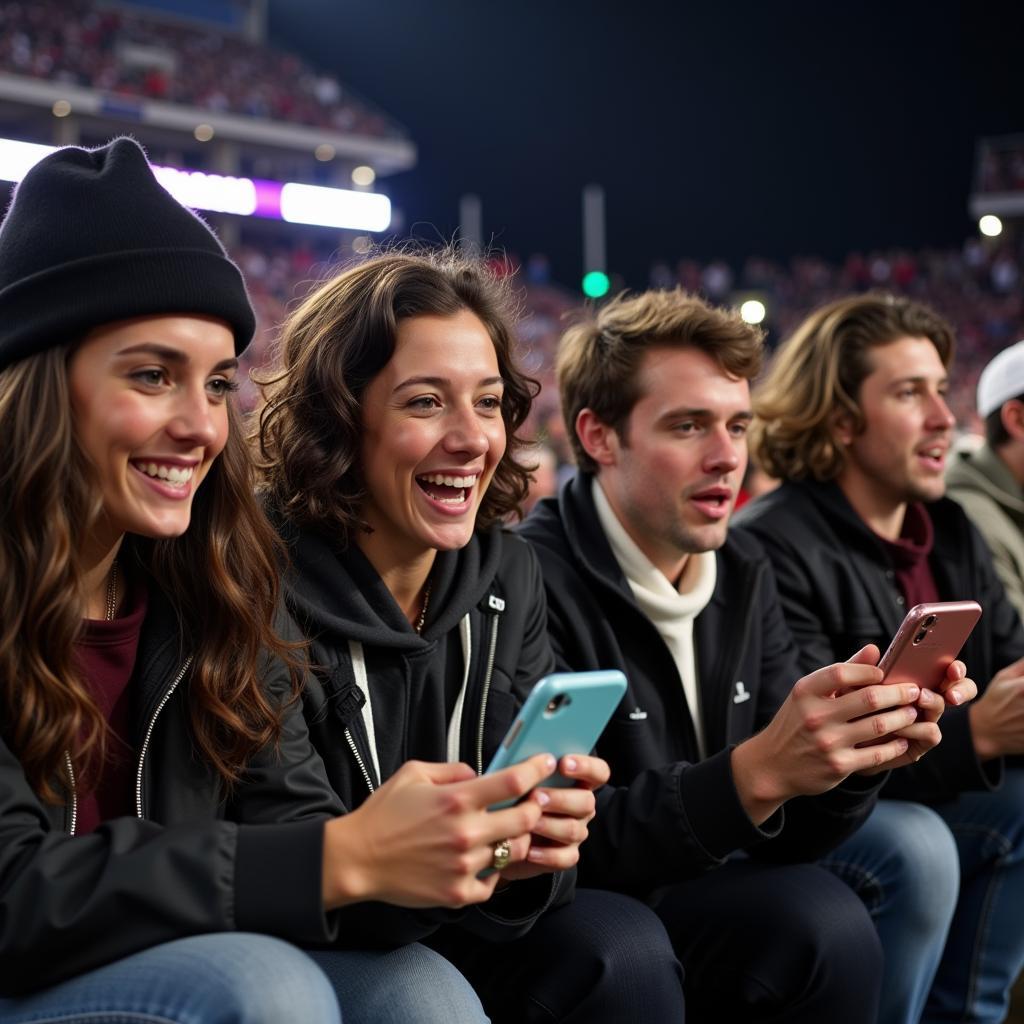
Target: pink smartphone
<point>929,638</point>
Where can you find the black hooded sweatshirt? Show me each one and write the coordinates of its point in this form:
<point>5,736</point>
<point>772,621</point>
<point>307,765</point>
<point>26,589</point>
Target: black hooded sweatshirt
<point>381,694</point>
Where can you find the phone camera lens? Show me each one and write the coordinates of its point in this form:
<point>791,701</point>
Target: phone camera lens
<point>557,702</point>
<point>929,622</point>
<point>920,636</point>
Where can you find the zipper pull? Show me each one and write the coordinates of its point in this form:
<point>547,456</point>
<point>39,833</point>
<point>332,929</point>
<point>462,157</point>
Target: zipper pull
<point>345,699</point>
<point>493,604</point>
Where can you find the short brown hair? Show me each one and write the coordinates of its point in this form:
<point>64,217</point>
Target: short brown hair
<point>598,365</point>
<point>332,347</point>
<point>818,373</point>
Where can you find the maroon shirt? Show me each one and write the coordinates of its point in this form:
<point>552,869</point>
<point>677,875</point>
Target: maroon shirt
<point>106,657</point>
<point>909,557</point>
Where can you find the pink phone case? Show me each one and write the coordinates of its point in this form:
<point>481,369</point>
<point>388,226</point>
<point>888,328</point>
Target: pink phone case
<point>929,638</point>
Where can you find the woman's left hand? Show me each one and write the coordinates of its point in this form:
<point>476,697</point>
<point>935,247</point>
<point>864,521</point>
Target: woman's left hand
<point>555,840</point>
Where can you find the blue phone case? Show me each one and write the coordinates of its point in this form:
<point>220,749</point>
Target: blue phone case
<point>565,713</point>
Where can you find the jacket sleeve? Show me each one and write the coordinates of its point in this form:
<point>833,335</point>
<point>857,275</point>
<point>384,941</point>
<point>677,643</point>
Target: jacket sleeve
<point>814,825</point>
<point>669,822</point>
<point>72,903</point>
<point>998,533</point>
<point>944,771</point>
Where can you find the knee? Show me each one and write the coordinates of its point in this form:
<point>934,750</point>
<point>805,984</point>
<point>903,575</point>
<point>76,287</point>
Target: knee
<point>257,979</point>
<point>409,985</point>
<point>921,876</point>
<point>830,930</point>
<point>904,865</point>
<point>621,937</point>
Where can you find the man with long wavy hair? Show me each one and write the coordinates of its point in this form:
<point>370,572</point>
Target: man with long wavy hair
<point>853,419</point>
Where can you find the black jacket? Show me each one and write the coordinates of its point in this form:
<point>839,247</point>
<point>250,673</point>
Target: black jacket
<point>193,860</point>
<point>668,816</point>
<point>839,592</point>
<point>489,594</point>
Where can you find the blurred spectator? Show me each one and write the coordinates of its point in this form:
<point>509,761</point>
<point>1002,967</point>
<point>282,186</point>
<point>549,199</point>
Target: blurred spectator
<point>131,54</point>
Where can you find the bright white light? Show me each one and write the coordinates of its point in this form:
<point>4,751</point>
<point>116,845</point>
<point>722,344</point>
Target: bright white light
<point>990,225</point>
<point>299,204</point>
<point>17,157</point>
<point>335,207</point>
<point>363,175</point>
<point>203,132</point>
<point>214,192</point>
<point>753,311</point>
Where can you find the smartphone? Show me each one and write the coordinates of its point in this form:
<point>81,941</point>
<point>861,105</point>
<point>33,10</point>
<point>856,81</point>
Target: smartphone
<point>929,638</point>
<point>565,713</point>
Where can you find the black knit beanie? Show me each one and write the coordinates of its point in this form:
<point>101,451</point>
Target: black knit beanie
<point>92,237</point>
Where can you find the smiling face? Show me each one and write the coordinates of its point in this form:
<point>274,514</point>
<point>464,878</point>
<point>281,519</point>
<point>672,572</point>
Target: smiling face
<point>672,479</point>
<point>900,455</point>
<point>148,398</point>
<point>433,436</point>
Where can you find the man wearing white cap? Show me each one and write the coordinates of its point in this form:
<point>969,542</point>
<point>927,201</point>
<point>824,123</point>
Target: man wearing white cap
<point>989,481</point>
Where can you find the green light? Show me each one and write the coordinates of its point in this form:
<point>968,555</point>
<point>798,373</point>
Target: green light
<point>596,284</point>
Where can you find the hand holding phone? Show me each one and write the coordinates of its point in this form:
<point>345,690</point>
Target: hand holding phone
<point>928,642</point>
<point>565,713</point>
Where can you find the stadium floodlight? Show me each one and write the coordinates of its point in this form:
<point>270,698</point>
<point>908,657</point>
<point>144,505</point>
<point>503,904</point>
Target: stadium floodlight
<point>990,225</point>
<point>316,205</point>
<point>753,311</point>
<point>334,207</point>
<point>596,284</point>
<point>363,175</point>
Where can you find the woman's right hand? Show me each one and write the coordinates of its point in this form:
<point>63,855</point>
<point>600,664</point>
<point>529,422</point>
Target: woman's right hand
<point>424,836</point>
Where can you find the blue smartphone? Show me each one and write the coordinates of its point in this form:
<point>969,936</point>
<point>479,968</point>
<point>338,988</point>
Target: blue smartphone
<point>565,713</point>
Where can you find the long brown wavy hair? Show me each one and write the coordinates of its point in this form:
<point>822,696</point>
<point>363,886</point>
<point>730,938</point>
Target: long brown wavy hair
<point>220,576</point>
<point>816,376</point>
<point>310,425</point>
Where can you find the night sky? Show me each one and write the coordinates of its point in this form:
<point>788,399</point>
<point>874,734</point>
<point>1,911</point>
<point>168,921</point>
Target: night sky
<point>717,131</point>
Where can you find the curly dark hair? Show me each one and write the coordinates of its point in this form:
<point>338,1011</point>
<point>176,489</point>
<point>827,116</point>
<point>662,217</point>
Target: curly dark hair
<point>309,432</point>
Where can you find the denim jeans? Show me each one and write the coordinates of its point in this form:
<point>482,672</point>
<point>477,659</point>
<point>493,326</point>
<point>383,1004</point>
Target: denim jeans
<point>235,978</point>
<point>902,862</point>
<point>985,950</point>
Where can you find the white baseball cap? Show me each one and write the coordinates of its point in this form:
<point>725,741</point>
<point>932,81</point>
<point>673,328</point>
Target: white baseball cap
<point>1001,380</point>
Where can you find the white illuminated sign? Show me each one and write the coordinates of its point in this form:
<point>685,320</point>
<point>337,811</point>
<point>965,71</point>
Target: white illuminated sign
<point>335,207</point>
<point>245,197</point>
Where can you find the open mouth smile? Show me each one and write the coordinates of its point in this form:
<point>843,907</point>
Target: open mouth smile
<point>169,479</point>
<point>446,489</point>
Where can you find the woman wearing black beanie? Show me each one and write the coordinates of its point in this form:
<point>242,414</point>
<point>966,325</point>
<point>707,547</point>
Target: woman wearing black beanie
<point>159,799</point>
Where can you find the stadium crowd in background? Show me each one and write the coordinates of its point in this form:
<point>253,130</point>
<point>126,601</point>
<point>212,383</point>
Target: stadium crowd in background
<point>120,52</point>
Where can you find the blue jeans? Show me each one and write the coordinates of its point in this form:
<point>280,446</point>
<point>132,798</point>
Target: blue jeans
<point>235,978</point>
<point>409,985</point>
<point>902,862</point>
<point>985,950</point>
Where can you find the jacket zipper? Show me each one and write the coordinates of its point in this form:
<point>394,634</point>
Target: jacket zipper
<point>359,759</point>
<point>74,793</point>
<point>492,651</point>
<point>149,733</point>
<point>486,691</point>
